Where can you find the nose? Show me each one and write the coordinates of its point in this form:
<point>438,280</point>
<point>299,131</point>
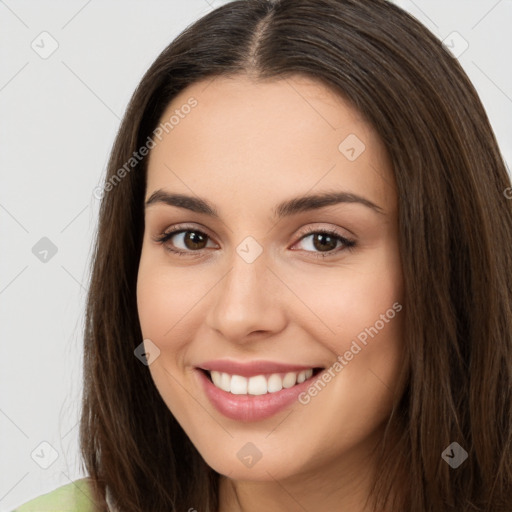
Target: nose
<point>248,302</point>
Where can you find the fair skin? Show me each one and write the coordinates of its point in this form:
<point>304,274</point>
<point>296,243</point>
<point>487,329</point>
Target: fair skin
<point>246,147</point>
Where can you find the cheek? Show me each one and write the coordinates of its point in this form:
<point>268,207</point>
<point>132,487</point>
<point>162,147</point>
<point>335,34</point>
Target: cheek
<point>344,301</point>
<point>156,305</point>
<point>165,299</point>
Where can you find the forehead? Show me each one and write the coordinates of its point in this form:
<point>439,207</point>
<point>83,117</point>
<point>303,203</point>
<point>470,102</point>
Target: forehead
<point>268,138</point>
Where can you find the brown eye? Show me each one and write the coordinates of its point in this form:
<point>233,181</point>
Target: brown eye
<point>194,240</point>
<point>325,243</point>
<point>182,241</point>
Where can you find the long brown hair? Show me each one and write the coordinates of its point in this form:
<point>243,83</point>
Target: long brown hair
<point>455,228</point>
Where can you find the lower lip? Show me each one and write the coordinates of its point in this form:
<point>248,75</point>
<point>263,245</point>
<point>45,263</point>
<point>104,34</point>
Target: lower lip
<point>251,407</point>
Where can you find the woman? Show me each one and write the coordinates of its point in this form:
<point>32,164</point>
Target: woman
<point>229,365</point>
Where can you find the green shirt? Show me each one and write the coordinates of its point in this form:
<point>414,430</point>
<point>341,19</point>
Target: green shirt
<point>73,497</point>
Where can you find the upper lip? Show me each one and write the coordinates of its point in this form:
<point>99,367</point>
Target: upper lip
<point>252,368</point>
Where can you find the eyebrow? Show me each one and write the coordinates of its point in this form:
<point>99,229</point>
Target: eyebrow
<point>285,209</point>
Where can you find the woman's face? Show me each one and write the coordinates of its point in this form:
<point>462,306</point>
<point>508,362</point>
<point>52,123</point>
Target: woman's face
<point>287,288</point>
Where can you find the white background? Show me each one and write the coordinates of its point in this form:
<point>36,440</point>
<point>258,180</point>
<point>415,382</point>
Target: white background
<point>58,119</point>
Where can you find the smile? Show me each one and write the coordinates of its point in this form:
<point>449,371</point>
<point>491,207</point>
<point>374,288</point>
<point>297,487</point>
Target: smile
<point>259,384</point>
<point>253,391</point>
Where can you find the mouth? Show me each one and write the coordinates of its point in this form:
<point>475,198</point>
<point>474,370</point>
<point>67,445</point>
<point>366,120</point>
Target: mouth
<point>253,391</point>
<point>261,384</point>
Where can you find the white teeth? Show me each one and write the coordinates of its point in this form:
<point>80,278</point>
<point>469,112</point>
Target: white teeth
<point>289,380</point>
<point>238,385</point>
<point>258,384</point>
<point>225,382</point>
<point>275,383</point>
<point>216,377</point>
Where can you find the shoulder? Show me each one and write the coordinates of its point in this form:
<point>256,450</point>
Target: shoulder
<point>73,497</point>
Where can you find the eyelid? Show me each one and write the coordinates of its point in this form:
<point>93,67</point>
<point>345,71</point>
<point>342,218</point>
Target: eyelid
<point>318,227</point>
<point>348,242</point>
<point>175,229</point>
<point>180,228</point>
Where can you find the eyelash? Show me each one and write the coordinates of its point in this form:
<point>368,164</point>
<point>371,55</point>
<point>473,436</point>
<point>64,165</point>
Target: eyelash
<point>348,243</point>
